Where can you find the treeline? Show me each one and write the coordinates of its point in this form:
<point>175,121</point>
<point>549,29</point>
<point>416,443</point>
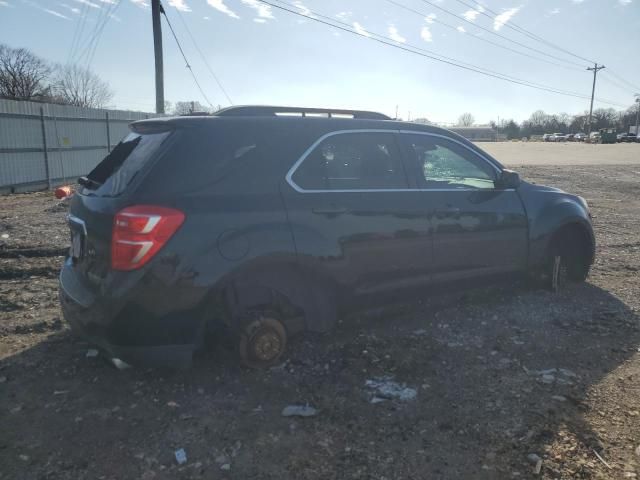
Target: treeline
<point>25,76</point>
<point>540,122</point>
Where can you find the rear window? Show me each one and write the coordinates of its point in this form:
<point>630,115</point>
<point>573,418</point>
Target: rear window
<point>116,171</point>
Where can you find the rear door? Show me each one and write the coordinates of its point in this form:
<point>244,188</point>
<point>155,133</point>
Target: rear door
<point>477,229</point>
<point>353,215</point>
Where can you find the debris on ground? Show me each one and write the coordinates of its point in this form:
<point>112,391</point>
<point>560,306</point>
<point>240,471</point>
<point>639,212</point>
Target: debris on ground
<point>299,411</point>
<point>387,388</point>
<point>181,456</point>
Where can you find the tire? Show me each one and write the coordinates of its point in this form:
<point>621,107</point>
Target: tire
<point>567,261</point>
<point>262,340</point>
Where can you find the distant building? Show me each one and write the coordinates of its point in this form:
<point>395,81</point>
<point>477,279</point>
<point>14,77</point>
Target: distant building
<point>476,134</point>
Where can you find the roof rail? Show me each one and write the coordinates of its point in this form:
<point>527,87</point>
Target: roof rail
<point>269,111</point>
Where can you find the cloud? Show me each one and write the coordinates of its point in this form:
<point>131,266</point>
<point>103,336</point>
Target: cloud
<point>55,14</point>
<point>304,10</point>
<point>264,11</point>
<point>4,4</point>
<point>90,4</point>
<point>259,20</point>
<point>504,17</point>
<point>141,3</point>
<point>344,16</point>
<point>222,8</point>
<point>360,29</point>
<point>461,29</point>
<point>577,1</point>
<point>395,35</point>
<point>430,18</point>
<point>425,33</point>
<point>555,11</point>
<point>70,8</point>
<point>471,15</point>
<point>178,5</point>
<point>624,3</point>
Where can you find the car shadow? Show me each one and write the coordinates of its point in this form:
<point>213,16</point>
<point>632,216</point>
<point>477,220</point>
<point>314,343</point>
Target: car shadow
<point>500,374</point>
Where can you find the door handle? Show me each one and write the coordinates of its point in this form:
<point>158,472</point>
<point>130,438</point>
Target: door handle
<point>329,210</point>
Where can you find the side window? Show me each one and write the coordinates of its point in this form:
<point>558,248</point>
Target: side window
<point>353,161</point>
<point>445,164</point>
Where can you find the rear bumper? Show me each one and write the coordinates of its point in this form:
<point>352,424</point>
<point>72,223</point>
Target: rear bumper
<point>123,328</point>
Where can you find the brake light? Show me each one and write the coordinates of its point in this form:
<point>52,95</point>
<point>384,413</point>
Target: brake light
<point>139,232</point>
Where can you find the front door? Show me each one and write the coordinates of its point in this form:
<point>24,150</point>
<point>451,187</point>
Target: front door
<point>353,215</point>
<point>477,229</point>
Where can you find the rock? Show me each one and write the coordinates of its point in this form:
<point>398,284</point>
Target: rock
<point>534,458</point>
<point>24,458</point>
<point>299,411</point>
<point>226,467</point>
<point>375,400</point>
<point>3,379</point>
<point>5,235</point>
<point>172,404</point>
<point>181,456</point>
<point>559,398</point>
<point>638,451</point>
<point>17,409</point>
<point>92,353</point>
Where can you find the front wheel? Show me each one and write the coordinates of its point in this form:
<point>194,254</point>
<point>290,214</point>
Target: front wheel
<point>567,263</point>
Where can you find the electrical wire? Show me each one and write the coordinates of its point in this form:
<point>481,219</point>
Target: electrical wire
<point>162,10</point>
<point>77,33</point>
<point>477,37</point>
<point>426,53</point>
<point>519,29</point>
<point>488,30</point>
<point>91,47</point>
<point>195,44</point>
<point>618,77</point>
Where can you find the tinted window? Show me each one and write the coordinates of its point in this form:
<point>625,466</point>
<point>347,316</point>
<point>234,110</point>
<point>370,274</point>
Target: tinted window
<point>112,175</point>
<point>445,164</point>
<point>351,161</point>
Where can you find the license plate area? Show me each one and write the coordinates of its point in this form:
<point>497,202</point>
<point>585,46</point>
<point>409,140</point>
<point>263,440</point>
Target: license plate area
<point>78,238</point>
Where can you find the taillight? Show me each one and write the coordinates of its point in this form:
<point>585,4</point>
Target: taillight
<point>139,232</point>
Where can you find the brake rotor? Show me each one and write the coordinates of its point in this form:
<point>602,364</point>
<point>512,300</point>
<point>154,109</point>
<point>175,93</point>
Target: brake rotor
<point>262,342</point>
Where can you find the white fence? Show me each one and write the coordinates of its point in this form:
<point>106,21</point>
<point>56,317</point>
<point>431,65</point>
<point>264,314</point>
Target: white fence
<point>44,145</point>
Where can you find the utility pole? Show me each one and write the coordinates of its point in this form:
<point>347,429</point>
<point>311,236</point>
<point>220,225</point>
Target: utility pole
<point>637,116</point>
<point>595,70</point>
<point>156,10</point>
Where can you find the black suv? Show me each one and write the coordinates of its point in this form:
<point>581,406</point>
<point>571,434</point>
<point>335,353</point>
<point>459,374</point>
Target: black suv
<point>268,220</point>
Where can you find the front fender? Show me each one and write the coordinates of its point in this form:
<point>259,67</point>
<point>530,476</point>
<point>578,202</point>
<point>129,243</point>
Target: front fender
<point>548,211</point>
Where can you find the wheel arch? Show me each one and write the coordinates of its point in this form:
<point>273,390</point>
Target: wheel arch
<point>305,299</point>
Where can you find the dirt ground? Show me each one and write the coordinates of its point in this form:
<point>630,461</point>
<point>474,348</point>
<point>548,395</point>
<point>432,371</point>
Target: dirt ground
<point>501,382</point>
<point>517,154</point>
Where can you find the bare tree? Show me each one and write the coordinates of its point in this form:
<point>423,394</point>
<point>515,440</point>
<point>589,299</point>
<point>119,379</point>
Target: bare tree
<point>22,74</point>
<point>81,87</point>
<point>466,120</point>
<point>186,108</point>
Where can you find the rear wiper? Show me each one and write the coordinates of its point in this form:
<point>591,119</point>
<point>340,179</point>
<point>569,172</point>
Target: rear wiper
<point>88,183</point>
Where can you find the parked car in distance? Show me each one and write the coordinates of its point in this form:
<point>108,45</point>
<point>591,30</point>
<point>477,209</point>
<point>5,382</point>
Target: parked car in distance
<point>547,137</point>
<point>594,137</point>
<point>579,137</point>
<point>569,137</point>
<point>627,137</point>
<point>266,221</point>
<point>558,137</point>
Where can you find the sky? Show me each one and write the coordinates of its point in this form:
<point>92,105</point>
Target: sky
<point>264,55</point>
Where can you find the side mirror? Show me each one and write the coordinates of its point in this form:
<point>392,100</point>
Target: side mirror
<point>508,179</point>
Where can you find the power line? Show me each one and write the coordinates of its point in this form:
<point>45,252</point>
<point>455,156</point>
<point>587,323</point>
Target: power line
<point>635,87</point>
<point>519,29</point>
<point>611,81</point>
<point>488,30</point>
<point>452,27</point>
<point>195,44</point>
<point>92,45</point>
<point>77,33</point>
<point>185,57</point>
<point>431,55</point>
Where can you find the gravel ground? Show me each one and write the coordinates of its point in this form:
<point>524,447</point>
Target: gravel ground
<point>500,382</point>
